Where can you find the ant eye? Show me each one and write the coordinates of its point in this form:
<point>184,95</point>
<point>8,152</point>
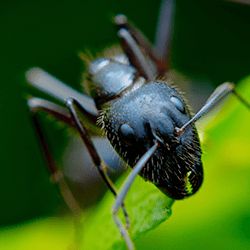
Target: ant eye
<point>178,104</point>
<point>127,134</point>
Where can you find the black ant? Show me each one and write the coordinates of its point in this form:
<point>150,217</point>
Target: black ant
<point>145,119</point>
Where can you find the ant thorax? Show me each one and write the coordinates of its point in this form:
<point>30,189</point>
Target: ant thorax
<point>107,78</point>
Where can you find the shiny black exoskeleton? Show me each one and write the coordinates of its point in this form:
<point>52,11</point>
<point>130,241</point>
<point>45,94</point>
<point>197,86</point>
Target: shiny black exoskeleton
<point>155,110</point>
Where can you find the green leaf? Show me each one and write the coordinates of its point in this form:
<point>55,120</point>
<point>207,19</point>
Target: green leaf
<point>147,207</point>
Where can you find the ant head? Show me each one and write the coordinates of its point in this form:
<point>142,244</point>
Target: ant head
<point>152,112</point>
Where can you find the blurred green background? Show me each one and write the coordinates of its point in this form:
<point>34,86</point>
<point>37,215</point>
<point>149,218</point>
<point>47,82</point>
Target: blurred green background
<point>211,44</point>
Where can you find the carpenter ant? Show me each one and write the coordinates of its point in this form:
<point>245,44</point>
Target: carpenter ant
<point>145,119</point>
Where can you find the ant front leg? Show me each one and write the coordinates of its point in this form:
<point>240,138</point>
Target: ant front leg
<point>217,95</point>
<point>70,117</point>
<point>124,190</point>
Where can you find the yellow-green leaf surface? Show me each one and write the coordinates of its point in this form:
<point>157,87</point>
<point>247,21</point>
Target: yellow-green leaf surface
<point>147,208</point>
<point>50,234</point>
<point>217,217</point>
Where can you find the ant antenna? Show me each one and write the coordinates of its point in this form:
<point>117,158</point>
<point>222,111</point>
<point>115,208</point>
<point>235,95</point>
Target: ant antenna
<point>217,95</point>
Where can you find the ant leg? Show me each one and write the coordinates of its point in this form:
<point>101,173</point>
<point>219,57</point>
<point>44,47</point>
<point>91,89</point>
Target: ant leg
<point>216,96</point>
<point>49,84</point>
<point>124,190</point>
<point>161,54</point>
<point>56,175</point>
<point>94,155</point>
<point>135,55</point>
<point>69,117</point>
<point>164,32</point>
